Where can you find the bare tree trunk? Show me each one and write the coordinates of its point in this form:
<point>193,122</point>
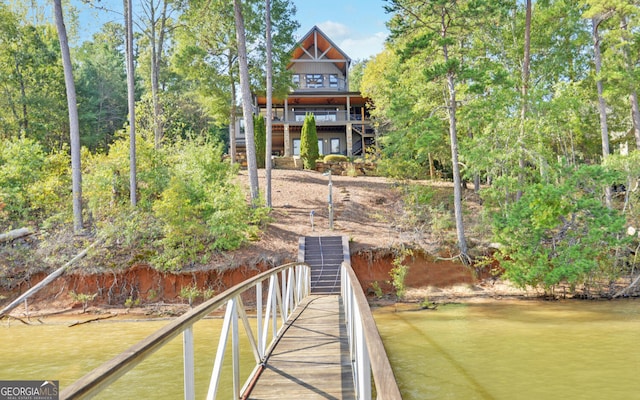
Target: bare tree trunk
<point>633,95</point>
<point>268,147</point>
<point>524,93</point>
<point>157,43</point>
<point>602,106</point>
<point>74,125</point>
<point>128,23</point>
<point>247,107</point>
<point>453,137</point>
<point>233,114</point>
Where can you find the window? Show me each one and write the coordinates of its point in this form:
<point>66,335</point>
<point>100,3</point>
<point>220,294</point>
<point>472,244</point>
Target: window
<point>320,147</point>
<point>296,80</point>
<point>296,147</point>
<point>335,146</point>
<point>333,81</point>
<point>314,80</point>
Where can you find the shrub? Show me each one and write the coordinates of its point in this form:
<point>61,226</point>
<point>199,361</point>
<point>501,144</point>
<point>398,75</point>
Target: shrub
<point>309,151</point>
<point>335,158</point>
<point>561,232</point>
<point>260,130</point>
<point>202,208</point>
<point>21,162</point>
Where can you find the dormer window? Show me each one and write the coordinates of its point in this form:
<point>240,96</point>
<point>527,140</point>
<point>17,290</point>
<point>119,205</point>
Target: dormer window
<point>314,81</point>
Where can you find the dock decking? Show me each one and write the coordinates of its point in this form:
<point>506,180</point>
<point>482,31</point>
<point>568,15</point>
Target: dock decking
<point>312,359</point>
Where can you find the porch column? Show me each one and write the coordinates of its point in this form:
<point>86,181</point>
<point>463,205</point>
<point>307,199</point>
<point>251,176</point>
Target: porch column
<point>349,139</point>
<point>287,141</point>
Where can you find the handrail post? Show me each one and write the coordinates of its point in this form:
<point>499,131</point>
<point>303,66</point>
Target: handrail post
<point>235,345</point>
<point>261,346</point>
<point>189,364</point>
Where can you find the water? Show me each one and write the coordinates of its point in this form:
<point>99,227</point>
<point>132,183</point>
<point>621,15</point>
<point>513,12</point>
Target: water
<point>58,352</point>
<point>515,350</point>
<point>500,350</point>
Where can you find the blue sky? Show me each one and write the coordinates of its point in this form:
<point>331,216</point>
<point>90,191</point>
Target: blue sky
<point>356,26</point>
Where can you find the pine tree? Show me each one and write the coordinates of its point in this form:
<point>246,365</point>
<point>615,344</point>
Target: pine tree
<point>309,142</point>
<point>261,139</point>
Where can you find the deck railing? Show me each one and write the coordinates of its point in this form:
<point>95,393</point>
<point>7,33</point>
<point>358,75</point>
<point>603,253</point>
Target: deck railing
<point>287,286</point>
<point>368,355</point>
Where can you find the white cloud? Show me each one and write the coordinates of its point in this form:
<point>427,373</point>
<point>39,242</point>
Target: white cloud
<point>358,45</point>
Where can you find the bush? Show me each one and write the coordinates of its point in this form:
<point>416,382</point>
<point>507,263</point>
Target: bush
<point>309,151</point>
<point>335,158</point>
<point>202,208</point>
<point>561,233</point>
<point>260,130</point>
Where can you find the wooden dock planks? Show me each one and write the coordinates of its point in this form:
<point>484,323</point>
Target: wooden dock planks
<point>312,359</point>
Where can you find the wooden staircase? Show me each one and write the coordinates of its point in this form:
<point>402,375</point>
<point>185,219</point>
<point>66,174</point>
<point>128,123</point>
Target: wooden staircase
<point>324,254</point>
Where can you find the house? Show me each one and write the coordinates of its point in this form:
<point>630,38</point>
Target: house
<point>320,76</point>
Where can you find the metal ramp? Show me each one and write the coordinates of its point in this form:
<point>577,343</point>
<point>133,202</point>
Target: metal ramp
<point>324,254</point>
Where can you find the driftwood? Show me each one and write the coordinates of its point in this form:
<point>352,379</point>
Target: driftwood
<point>50,278</point>
<point>93,320</point>
<point>15,234</point>
<point>625,290</point>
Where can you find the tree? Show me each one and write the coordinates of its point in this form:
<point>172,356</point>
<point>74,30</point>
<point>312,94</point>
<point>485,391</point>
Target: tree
<point>247,107</point>
<point>260,129</point>
<point>602,105</point>
<point>74,126</point>
<point>269,89</point>
<point>128,11</point>
<point>309,151</point>
<point>101,82</point>
<point>157,14</point>
<point>441,26</point>
<point>32,86</point>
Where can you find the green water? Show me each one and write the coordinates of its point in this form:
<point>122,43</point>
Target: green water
<point>520,350</point>
<point>58,352</point>
<point>501,350</point>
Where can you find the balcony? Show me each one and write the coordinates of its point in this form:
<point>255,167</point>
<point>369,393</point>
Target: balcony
<point>319,82</point>
<point>296,116</point>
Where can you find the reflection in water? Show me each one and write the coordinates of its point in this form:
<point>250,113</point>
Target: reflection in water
<point>500,350</point>
<point>515,350</point>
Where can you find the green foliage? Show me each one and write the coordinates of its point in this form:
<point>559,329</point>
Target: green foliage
<point>335,158</point>
<point>399,271</point>
<point>377,290</point>
<point>561,233</point>
<point>260,132</point>
<point>33,184</point>
<point>309,151</point>
<point>83,298</point>
<point>202,209</point>
<point>190,293</point>
<point>130,302</point>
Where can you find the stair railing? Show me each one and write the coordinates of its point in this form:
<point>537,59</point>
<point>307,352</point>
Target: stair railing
<point>368,356</point>
<point>287,286</point>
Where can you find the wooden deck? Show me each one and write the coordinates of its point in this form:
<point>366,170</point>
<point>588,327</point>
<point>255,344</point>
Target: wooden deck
<point>312,359</point>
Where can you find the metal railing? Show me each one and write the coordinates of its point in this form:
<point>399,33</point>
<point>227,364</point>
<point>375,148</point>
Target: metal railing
<point>287,286</point>
<point>368,355</point>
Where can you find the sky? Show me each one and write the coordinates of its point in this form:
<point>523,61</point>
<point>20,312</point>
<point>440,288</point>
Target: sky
<point>356,26</point>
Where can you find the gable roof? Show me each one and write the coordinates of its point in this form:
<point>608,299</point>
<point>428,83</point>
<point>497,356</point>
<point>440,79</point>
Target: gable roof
<point>317,47</point>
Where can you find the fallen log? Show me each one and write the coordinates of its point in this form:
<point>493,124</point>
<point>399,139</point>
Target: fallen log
<point>15,234</point>
<point>92,320</point>
<point>50,278</point>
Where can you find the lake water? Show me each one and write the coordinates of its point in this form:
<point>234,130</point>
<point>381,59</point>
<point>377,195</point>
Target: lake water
<point>499,350</point>
<point>515,350</point>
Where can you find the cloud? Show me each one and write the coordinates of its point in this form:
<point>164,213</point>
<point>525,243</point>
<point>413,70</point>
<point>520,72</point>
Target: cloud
<point>357,44</point>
